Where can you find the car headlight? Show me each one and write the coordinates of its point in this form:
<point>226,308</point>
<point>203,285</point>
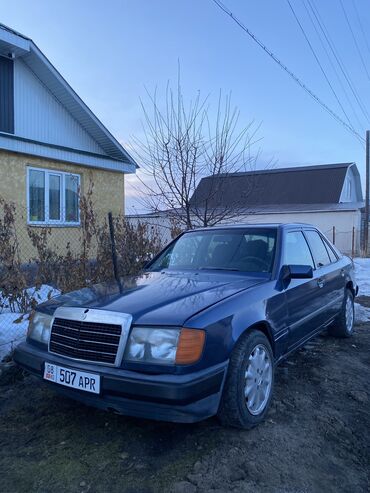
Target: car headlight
<point>165,346</point>
<point>39,327</point>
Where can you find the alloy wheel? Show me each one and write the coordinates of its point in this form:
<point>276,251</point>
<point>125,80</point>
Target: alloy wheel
<point>349,314</point>
<point>258,379</point>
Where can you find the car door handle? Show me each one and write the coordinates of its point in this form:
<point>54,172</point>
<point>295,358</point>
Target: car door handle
<point>320,283</point>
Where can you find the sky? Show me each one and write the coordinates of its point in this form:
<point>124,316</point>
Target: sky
<point>112,52</point>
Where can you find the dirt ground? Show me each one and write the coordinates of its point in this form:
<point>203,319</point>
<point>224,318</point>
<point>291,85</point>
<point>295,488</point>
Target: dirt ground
<point>316,437</point>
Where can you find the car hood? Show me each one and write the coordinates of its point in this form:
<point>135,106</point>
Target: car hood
<point>157,298</point>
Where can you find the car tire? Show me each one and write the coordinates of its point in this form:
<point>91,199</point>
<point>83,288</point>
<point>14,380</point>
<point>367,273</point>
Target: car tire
<point>343,325</point>
<point>250,373</point>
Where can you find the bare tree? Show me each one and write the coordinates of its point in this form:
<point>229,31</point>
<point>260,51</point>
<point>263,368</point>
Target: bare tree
<point>183,144</point>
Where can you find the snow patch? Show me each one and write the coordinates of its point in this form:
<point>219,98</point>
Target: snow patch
<point>362,314</point>
<point>13,326</point>
<point>39,294</point>
<point>362,269</point>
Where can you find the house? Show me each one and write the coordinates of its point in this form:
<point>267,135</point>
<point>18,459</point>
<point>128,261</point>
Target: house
<point>328,196</point>
<point>53,149</point>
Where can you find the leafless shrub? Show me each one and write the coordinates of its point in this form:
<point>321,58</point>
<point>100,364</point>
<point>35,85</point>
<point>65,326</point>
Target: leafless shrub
<point>66,267</point>
<point>135,245</point>
<point>176,228</point>
<point>13,295</point>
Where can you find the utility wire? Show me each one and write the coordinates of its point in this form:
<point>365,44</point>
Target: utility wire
<point>288,71</point>
<point>361,25</point>
<point>332,64</point>
<point>355,40</point>
<point>319,63</point>
<point>336,55</point>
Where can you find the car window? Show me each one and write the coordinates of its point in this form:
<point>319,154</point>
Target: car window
<point>249,250</point>
<point>330,250</point>
<point>296,251</point>
<point>319,251</point>
<point>180,253</point>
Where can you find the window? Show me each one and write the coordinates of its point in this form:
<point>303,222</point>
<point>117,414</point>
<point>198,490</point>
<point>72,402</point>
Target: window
<point>296,251</point>
<point>36,184</point>
<point>52,197</point>
<point>243,250</point>
<point>72,185</point>
<point>318,248</point>
<point>333,257</point>
<point>6,95</point>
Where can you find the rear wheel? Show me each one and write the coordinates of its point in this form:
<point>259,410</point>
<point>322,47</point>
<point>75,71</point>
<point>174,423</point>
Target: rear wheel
<point>249,383</point>
<point>343,325</point>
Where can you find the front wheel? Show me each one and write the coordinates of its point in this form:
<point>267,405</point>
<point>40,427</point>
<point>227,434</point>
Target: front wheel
<point>249,383</point>
<point>343,325</point>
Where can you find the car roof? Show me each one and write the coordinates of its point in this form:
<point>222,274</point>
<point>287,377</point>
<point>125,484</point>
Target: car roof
<point>255,226</point>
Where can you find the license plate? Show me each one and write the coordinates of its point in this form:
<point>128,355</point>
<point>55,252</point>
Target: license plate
<point>89,382</point>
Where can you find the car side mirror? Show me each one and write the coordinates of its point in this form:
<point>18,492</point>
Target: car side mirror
<point>296,272</point>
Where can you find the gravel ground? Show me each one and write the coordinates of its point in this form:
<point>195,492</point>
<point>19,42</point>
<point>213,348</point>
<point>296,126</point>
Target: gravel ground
<point>316,437</point>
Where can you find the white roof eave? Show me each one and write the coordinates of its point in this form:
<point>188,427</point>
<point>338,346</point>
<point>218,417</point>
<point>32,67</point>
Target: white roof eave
<point>20,46</point>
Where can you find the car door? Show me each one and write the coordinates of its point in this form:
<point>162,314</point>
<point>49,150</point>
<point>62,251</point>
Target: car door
<point>301,294</point>
<point>329,274</point>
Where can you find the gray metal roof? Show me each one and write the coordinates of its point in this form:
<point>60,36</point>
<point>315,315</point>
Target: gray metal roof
<point>12,42</point>
<point>316,185</point>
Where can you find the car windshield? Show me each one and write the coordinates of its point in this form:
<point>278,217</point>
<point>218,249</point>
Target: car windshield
<point>243,250</point>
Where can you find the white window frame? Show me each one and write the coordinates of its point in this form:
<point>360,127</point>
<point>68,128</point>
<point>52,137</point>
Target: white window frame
<point>53,222</point>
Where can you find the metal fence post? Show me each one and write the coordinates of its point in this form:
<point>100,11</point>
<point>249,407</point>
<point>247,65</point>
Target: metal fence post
<point>353,241</point>
<point>113,248</point>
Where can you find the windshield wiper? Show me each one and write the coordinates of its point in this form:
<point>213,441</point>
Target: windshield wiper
<point>220,268</point>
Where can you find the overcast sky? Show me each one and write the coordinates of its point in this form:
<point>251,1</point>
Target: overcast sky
<point>110,51</point>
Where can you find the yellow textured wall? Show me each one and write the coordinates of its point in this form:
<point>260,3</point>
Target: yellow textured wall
<point>107,195</point>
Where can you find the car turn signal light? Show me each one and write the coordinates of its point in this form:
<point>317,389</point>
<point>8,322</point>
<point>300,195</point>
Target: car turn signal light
<point>190,346</point>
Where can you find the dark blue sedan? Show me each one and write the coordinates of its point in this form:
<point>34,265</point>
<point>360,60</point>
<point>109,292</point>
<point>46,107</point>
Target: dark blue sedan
<point>200,331</point>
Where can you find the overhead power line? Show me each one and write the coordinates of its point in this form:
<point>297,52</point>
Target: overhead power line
<point>361,25</point>
<point>332,64</point>
<point>319,63</point>
<point>355,40</point>
<point>288,71</point>
<point>338,59</point>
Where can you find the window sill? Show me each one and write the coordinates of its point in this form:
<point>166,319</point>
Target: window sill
<point>53,225</point>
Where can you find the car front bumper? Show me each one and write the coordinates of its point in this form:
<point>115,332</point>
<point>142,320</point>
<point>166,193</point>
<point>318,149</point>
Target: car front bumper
<point>179,398</point>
